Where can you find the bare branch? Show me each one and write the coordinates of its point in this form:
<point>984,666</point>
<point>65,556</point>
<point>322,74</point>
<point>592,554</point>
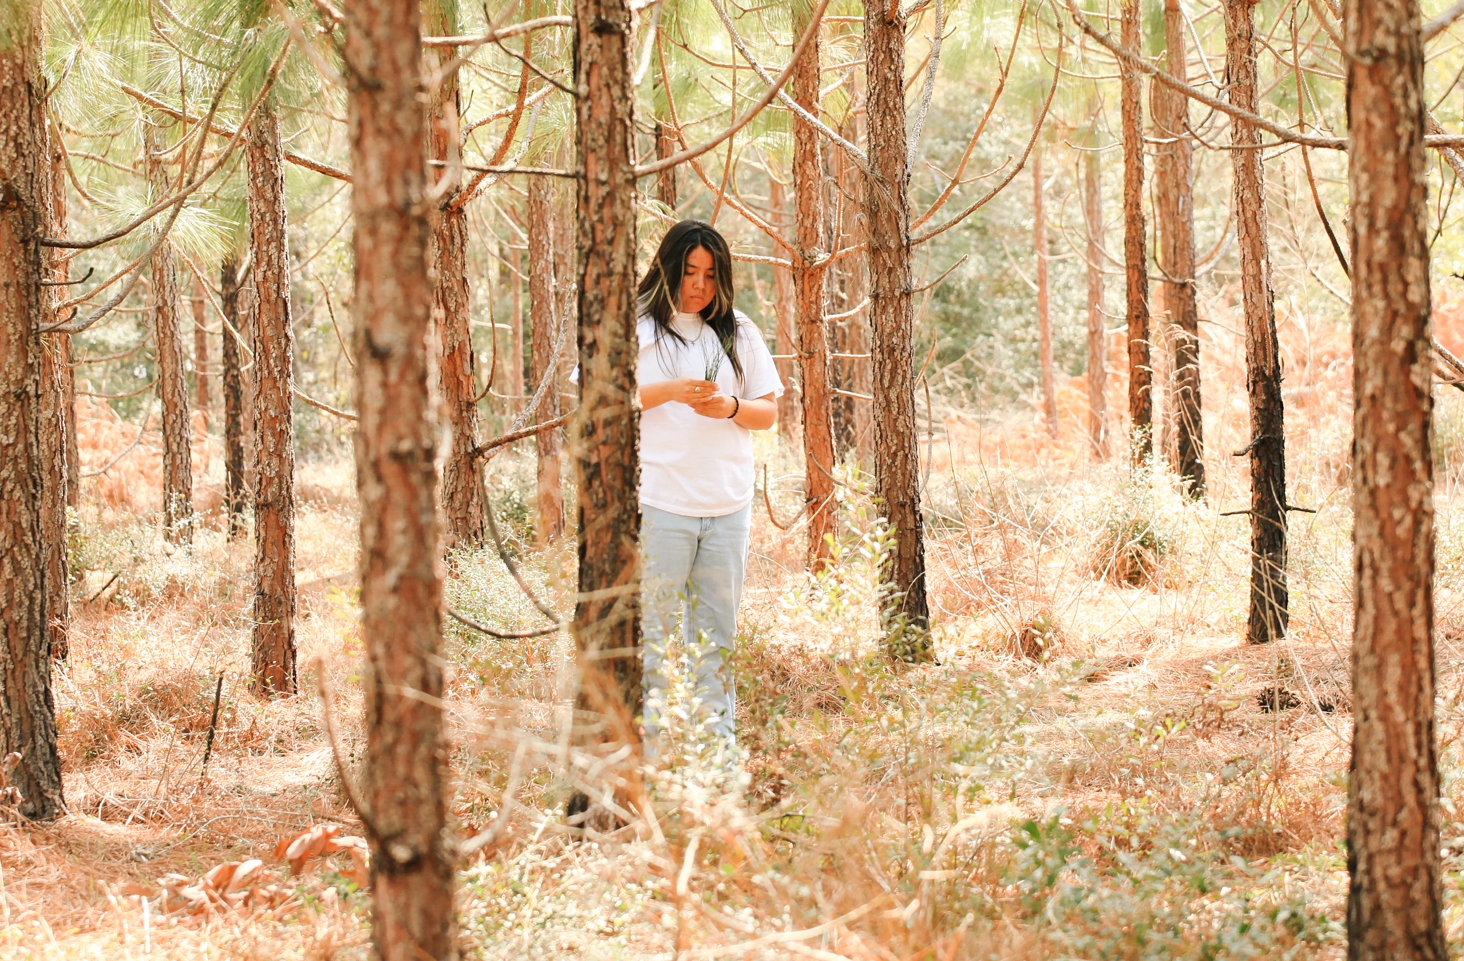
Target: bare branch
<point>226,131</point>
<point>645,170</point>
<point>499,33</point>
<point>1036,132</point>
<point>1442,22</point>
<point>859,158</point>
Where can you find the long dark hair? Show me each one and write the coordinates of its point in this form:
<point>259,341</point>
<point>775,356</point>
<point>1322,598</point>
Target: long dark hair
<point>660,288</point>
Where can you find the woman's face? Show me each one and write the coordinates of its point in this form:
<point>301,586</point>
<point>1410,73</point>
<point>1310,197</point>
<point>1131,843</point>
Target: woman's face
<point>698,282</point>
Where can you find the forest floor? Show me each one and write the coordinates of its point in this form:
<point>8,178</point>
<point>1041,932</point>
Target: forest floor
<point>1090,770</point>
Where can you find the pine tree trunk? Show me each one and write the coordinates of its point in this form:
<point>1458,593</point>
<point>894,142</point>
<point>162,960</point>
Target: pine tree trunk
<point>808,295</point>
<point>1097,324</point>
<point>27,710</point>
<point>464,498</point>
<point>65,372</point>
<point>1135,254</point>
<point>516,332</point>
<point>272,642</point>
<point>233,388</point>
<point>887,219</point>
<point>1044,316</point>
<point>543,332</point>
<point>666,179</point>
<point>405,787</point>
<point>854,281</point>
<point>607,463</point>
<point>1395,898</point>
<point>1267,447</point>
<point>172,381</point>
<point>785,343</point>
<point>57,423</point>
<point>1175,211</point>
<point>201,372</point>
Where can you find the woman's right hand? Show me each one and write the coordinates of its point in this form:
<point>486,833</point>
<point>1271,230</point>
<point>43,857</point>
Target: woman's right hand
<point>683,390</point>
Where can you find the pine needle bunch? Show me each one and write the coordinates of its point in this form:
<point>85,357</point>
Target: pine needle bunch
<point>712,360</point>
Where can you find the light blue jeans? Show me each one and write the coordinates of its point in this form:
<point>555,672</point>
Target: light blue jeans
<point>693,572</point>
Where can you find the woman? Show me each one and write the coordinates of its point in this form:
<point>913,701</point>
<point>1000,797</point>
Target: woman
<point>705,381</point>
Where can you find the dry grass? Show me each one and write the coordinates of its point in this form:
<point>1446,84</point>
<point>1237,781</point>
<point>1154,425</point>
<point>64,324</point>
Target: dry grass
<point>1087,772</point>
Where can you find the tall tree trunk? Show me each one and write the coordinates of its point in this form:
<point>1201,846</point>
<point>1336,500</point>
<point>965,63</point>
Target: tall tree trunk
<point>666,179</point>
<point>65,372</point>
<point>172,381</point>
<point>27,710</point>
<point>1395,899</point>
<point>1097,325</point>
<point>405,788</point>
<point>464,498</point>
<point>1267,447</point>
<point>785,341</point>
<point>854,281</point>
<point>516,332</point>
<point>607,463</point>
<point>233,389</point>
<point>57,422</point>
<point>808,294</point>
<point>1044,316</point>
<point>272,647</point>
<point>543,335</point>
<point>201,367</point>
<point>1135,255</point>
<point>1175,211</point>
<point>887,219</point>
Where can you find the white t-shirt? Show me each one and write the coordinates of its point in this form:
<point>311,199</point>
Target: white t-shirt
<point>693,465</point>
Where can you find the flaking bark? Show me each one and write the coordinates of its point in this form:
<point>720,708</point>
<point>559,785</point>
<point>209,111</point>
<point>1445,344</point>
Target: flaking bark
<point>1135,247</point>
<point>809,275</point>
<point>405,787</point>
<point>172,379</point>
<point>607,464</point>
<point>272,640</point>
<point>887,221</point>
<point>1175,213</point>
<point>27,709</point>
<point>1395,898</point>
<point>1267,445</point>
<point>464,497</point>
<point>233,390</point>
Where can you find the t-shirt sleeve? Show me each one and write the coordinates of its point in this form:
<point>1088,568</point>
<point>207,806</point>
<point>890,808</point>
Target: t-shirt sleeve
<point>760,374</point>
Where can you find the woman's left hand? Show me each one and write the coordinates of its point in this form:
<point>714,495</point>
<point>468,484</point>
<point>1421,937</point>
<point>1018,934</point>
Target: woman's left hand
<point>717,406</point>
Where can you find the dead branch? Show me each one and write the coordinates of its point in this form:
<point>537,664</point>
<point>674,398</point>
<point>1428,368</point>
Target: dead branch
<point>645,170</point>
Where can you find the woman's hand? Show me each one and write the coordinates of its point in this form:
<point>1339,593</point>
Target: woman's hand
<point>684,390</point>
<point>716,406</point>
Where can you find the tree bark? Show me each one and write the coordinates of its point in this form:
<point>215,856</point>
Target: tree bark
<point>172,381</point>
<point>233,389</point>
<point>1044,316</point>
<point>1175,213</point>
<point>27,709</point>
<point>607,464</point>
<point>785,341</point>
<point>405,788</point>
<point>808,295</point>
<point>57,425</point>
<point>1135,254</point>
<point>516,331</point>
<point>543,334</point>
<point>666,180</point>
<point>464,498</point>
<point>65,372</point>
<point>1395,897</point>
<point>1267,447</point>
<point>887,219</point>
<point>201,372</point>
<point>272,641</point>
<point>1097,324</point>
<point>854,283</point>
